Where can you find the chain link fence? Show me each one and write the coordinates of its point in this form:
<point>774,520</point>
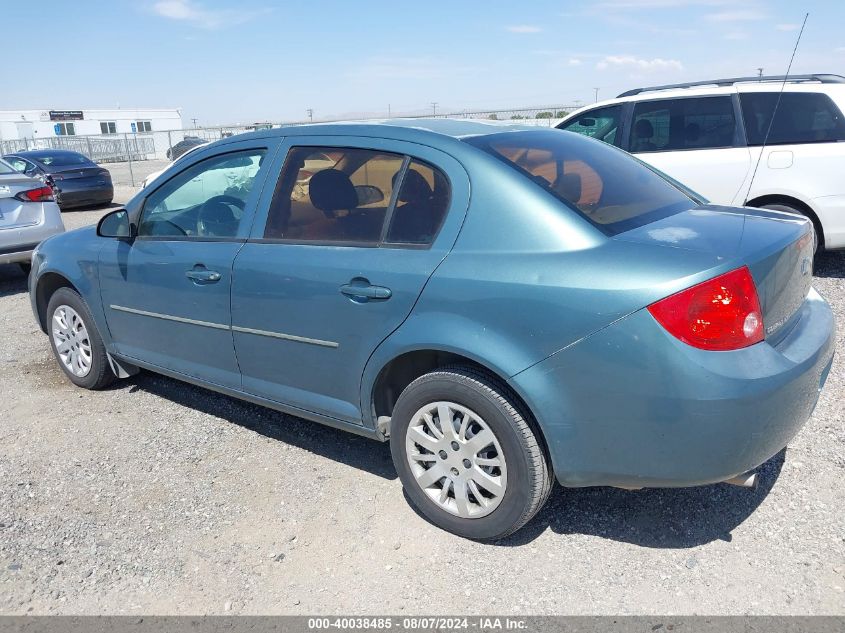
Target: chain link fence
<point>132,157</point>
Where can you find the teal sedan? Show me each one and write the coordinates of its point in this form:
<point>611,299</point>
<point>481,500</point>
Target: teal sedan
<point>506,306</point>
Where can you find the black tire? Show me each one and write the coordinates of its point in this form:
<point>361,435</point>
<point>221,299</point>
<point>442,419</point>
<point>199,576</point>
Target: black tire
<point>25,267</point>
<point>797,211</point>
<point>529,479</point>
<point>100,374</point>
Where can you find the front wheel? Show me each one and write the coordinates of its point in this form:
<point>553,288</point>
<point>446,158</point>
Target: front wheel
<point>75,341</point>
<point>468,459</point>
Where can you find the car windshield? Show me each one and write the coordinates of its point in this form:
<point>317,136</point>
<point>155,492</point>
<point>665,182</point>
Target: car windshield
<point>6,168</point>
<point>608,187</point>
<point>62,160</point>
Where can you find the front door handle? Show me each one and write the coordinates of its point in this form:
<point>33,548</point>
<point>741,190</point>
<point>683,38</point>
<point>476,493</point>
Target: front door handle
<point>361,290</point>
<point>203,275</point>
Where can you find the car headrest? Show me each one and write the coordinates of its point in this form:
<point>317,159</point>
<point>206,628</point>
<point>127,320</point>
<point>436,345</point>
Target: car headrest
<point>569,186</point>
<point>415,187</point>
<point>331,190</point>
<point>643,129</point>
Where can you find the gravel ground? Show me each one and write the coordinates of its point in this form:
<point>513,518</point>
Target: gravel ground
<point>159,497</point>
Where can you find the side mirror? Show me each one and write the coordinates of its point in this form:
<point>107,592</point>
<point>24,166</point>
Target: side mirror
<point>115,224</point>
<point>368,194</point>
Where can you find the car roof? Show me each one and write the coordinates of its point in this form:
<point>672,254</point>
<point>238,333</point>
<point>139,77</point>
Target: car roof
<point>399,129</point>
<point>39,153</point>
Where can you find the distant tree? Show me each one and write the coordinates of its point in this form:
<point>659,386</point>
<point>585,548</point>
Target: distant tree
<point>560,114</point>
<point>493,117</point>
<point>517,116</point>
<point>545,115</point>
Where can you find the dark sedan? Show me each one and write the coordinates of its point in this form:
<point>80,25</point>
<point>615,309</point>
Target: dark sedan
<point>77,181</point>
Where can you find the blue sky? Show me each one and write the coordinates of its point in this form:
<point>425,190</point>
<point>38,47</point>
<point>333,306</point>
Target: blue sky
<point>225,61</point>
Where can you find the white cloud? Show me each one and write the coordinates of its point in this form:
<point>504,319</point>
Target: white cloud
<point>574,61</point>
<point>636,63</point>
<point>740,15</point>
<point>198,15</point>
<point>524,28</point>
<point>736,35</point>
<point>788,27</point>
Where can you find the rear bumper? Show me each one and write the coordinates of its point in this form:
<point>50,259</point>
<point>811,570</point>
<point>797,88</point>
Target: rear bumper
<point>17,256</point>
<point>17,243</point>
<point>632,406</point>
<point>70,197</point>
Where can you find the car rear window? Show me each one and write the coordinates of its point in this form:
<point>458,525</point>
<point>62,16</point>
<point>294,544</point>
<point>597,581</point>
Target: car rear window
<point>62,160</point>
<point>802,117</point>
<point>611,189</point>
<point>6,168</point>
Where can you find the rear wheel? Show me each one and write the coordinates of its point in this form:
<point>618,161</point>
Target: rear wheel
<point>796,210</point>
<point>467,458</point>
<point>75,341</point>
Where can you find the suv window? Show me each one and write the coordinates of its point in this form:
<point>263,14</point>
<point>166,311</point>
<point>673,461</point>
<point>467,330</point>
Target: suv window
<point>604,184</point>
<point>678,124</point>
<point>802,117</point>
<point>601,123</point>
<point>206,200</point>
<point>345,195</point>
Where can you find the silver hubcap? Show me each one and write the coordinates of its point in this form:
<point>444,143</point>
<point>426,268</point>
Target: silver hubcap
<point>71,340</point>
<point>456,459</point>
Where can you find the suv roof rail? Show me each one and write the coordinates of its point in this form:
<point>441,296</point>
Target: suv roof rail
<point>821,78</point>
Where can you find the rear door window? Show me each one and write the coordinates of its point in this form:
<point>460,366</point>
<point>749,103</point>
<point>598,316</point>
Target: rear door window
<point>802,117</point>
<point>681,124</point>
<point>601,123</point>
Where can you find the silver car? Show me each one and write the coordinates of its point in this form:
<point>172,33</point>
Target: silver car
<point>28,215</point>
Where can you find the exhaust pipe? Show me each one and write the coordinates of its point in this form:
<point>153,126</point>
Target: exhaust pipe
<point>745,480</point>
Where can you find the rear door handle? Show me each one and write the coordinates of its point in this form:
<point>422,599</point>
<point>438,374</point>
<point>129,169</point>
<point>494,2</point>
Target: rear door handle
<point>203,275</point>
<point>360,290</point>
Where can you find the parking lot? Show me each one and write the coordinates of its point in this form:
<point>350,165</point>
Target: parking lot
<point>158,497</point>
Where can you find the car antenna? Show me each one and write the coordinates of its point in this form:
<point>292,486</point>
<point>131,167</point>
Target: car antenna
<point>775,110</point>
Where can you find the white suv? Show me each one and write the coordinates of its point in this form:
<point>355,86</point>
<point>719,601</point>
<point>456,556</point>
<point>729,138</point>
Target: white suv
<point>708,135</point>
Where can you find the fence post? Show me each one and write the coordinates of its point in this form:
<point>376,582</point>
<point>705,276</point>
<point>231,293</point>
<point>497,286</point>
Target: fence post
<point>129,155</point>
<point>90,152</point>
<point>169,144</point>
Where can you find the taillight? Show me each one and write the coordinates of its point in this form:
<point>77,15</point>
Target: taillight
<point>42,194</point>
<point>720,314</point>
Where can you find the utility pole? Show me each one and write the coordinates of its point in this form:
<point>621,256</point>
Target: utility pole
<point>433,108</point>
<point>760,72</point>
<point>310,112</point>
<point>194,121</point>
<point>388,110</point>
<point>597,95</point>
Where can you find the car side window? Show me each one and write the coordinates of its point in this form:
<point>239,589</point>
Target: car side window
<point>18,164</point>
<point>802,117</point>
<point>333,194</point>
<point>206,200</point>
<point>601,123</point>
<point>679,124</point>
<point>420,206</point>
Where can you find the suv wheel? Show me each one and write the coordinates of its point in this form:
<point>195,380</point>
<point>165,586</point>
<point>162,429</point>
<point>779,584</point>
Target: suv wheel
<point>797,211</point>
<point>76,343</point>
<point>467,458</point>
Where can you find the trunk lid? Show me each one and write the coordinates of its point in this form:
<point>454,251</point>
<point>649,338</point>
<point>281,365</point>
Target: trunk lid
<point>777,247</point>
<point>71,173</point>
<point>13,212</point>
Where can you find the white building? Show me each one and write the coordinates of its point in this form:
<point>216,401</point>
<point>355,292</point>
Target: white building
<point>34,124</point>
